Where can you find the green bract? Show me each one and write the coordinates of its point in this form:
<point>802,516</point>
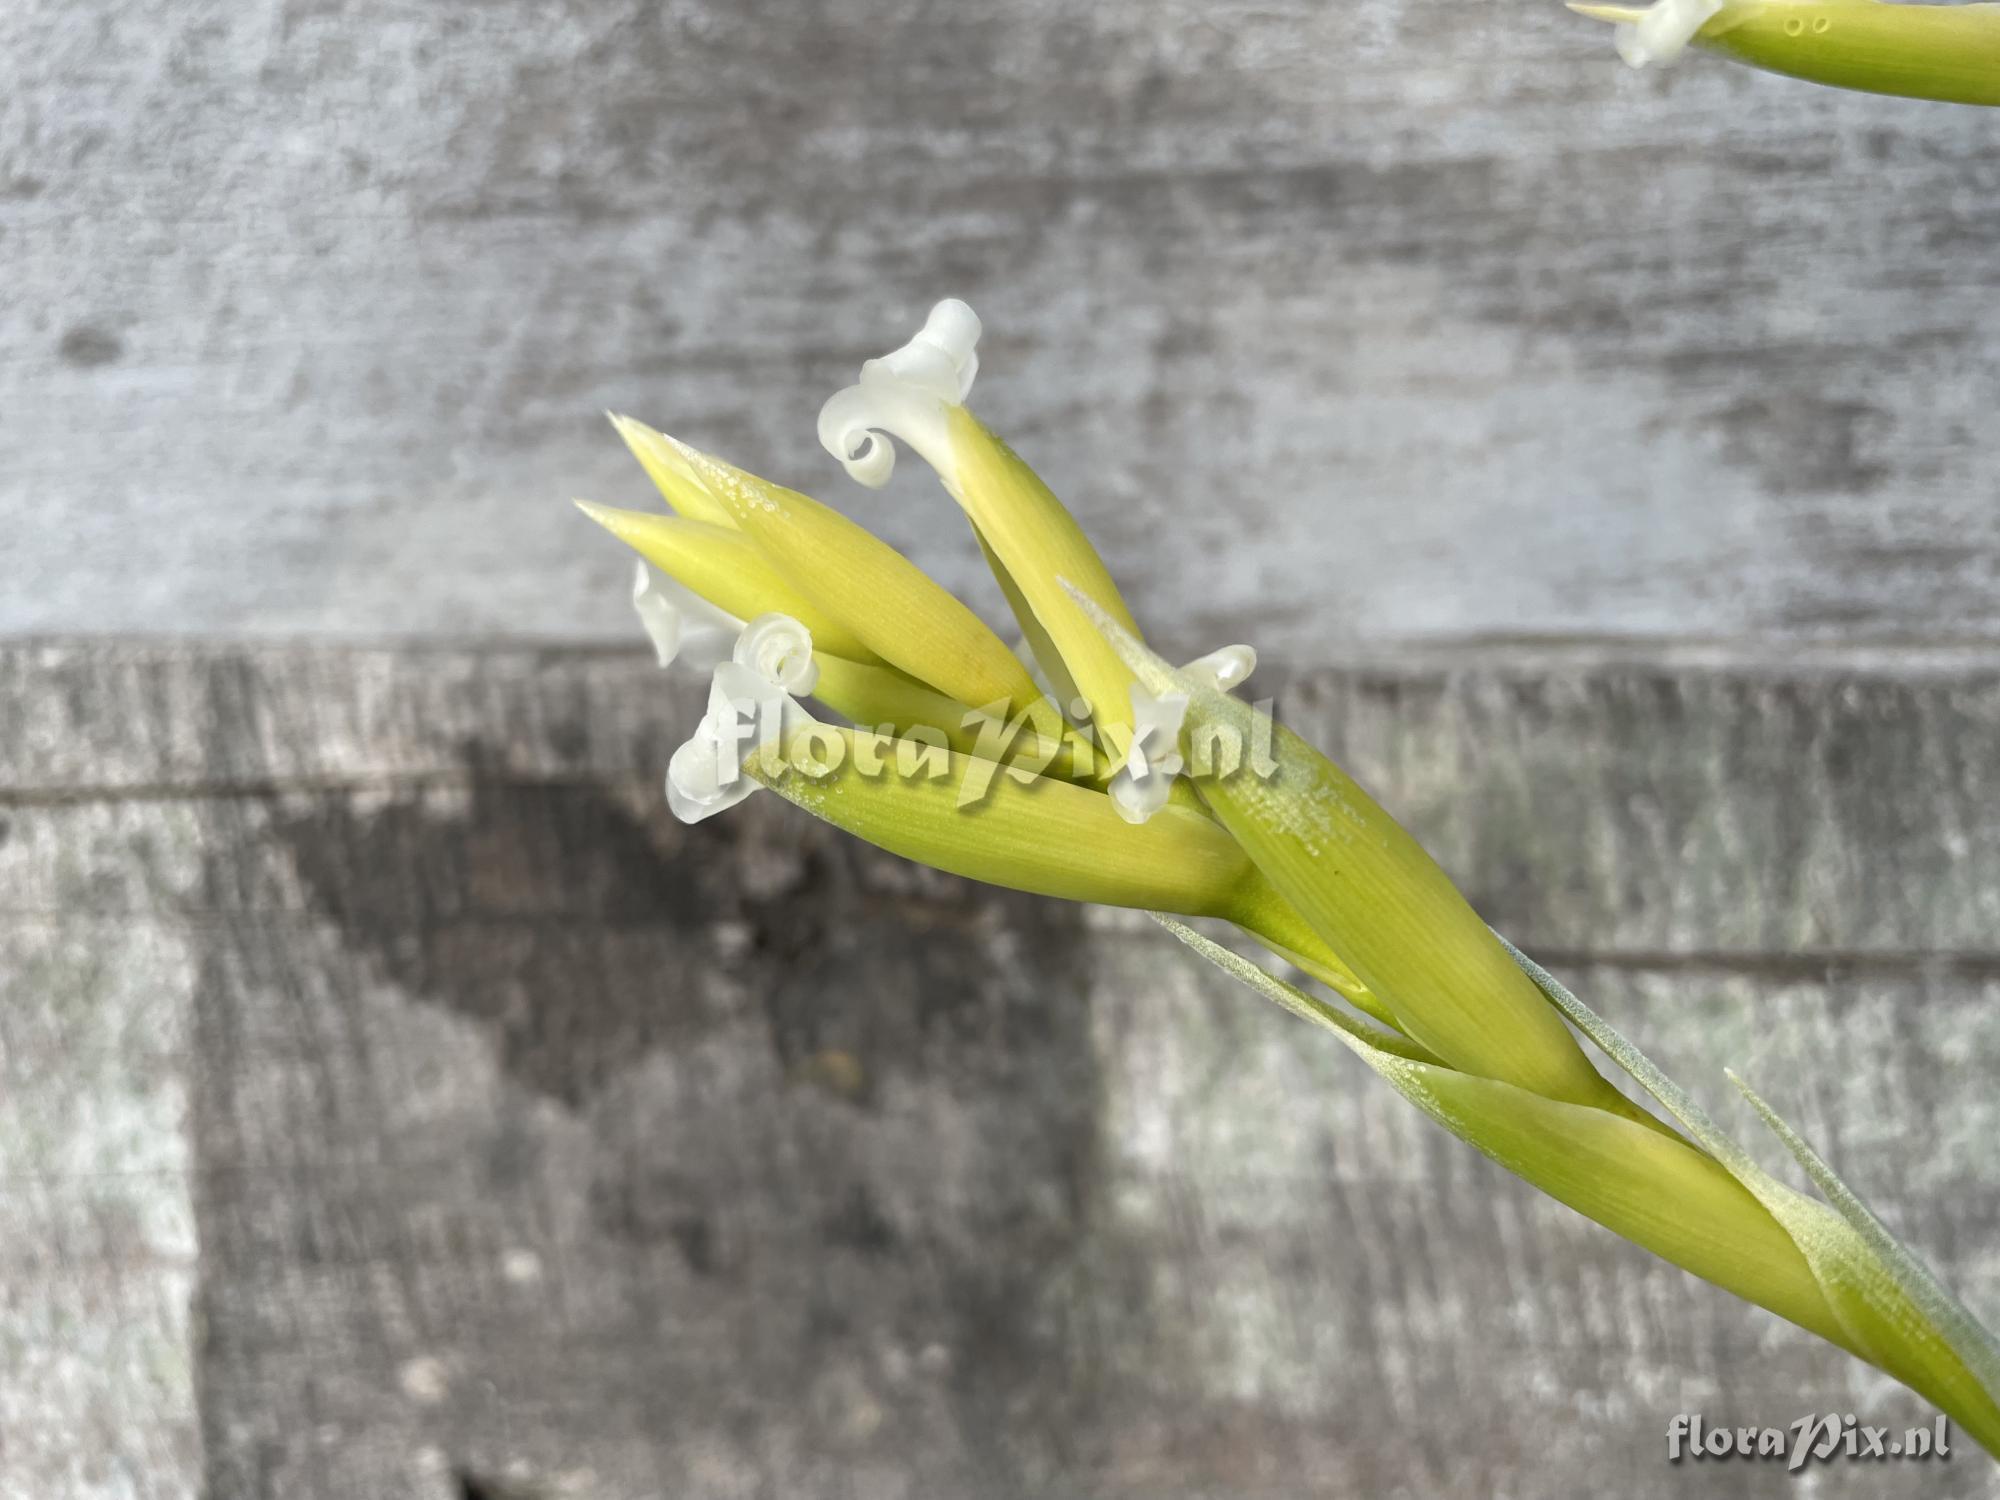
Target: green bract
<point>1949,53</point>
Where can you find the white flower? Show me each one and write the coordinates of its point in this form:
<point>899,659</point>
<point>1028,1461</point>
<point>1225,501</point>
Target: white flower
<point>1224,670</point>
<point>750,708</point>
<point>680,623</point>
<point>905,394</point>
<point>1660,32</point>
<point>1142,784</point>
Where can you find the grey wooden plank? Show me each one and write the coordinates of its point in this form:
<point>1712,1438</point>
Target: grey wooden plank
<point>1411,318</point>
<point>98,1253</point>
<point>535,1141</point>
<point>1839,809</point>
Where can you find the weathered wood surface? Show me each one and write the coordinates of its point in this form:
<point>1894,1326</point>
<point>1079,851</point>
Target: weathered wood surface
<point>397,1102</point>
<point>315,306</point>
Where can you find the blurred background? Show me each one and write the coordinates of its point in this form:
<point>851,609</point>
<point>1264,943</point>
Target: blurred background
<point>395,1101</point>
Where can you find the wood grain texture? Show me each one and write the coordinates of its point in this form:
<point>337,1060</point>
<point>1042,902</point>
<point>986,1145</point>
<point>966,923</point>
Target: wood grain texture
<point>1444,322</point>
<point>535,1144</point>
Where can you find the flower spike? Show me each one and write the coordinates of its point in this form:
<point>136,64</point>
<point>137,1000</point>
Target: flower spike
<point>969,769</point>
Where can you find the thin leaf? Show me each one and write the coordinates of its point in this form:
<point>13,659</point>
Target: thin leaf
<point>1948,1318</point>
<point>1645,1185</point>
<point>1893,1311</point>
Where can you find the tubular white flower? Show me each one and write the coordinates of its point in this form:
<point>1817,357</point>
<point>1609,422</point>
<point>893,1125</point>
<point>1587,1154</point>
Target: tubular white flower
<point>679,622</point>
<point>1227,669</point>
<point>750,709</point>
<point>1662,32</point>
<point>905,394</point>
<point>1143,783</point>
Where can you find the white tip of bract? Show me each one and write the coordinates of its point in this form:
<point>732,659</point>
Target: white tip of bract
<point>1143,783</point>
<point>1663,30</point>
<point>681,624</point>
<point>905,394</point>
<point>750,708</point>
<point>1225,670</point>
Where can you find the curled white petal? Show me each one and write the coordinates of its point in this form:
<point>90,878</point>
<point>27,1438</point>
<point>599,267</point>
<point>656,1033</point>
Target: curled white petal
<point>780,650</point>
<point>1224,670</point>
<point>1142,784</point>
<point>681,624</point>
<point>905,394</point>
<point>750,709</point>
<point>706,775</point>
<point>1664,31</point>
<point>944,355</point>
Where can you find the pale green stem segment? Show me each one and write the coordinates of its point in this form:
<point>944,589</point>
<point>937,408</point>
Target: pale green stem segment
<point>1949,53</point>
<point>885,599</point>
<point>1653,1189</point>
<point>1377,899</point>
<point>664,464</point>
<point>1036,834</point>
<point>1038,543</point>
<point>1891,1309</point>
<point>726,568</point>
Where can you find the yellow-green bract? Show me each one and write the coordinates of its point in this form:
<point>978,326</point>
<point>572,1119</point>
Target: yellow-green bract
<point>1949,53</point>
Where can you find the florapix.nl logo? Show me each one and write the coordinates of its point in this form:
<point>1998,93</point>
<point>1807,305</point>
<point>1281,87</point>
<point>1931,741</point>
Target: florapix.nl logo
<point>1816,1438</point>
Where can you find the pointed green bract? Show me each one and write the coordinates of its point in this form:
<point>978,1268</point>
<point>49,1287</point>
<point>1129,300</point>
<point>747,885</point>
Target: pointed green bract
<point>1040,645</point>
<point>1038,834</point>
<point>661,458</point>
<point>1377,899</point>
<point>1949,53</point>
<point>1034,834</point>
<point>880,595</point>
<point>726,568</point>
<point>1038,543</point>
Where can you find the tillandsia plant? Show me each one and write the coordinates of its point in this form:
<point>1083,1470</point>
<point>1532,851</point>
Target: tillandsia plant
<point>1082,765</point>
<point>1947,52</point>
